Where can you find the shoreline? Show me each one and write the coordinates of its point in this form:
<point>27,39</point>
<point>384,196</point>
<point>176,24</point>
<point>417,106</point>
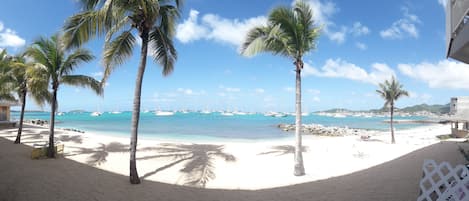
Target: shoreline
<point>233,165</point>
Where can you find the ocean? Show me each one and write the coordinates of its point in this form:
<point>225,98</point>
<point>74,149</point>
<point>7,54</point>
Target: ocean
<point>198,126</point>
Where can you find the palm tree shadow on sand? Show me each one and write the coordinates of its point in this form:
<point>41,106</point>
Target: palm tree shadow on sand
<point>283,150</point>
<point>100,153</point>
<point>198,160</point>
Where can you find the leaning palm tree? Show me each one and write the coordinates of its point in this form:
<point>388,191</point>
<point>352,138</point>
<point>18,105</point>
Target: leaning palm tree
<point>17,78</point>
<point>154,23</point>
<point>57,63</point>
<point>391,91</point>
<point>291,33</point>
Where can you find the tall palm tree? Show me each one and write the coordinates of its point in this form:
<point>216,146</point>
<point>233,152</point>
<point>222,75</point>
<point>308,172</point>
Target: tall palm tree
<point>154,23</point>
<point>19,80</point>
<point>391,91</point>
<point>57,63</point>
<point>290,32</point>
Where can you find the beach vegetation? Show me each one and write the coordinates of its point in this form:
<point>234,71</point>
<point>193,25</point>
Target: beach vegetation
<point>292,33</point>
<point>56,63</point>
<point>391,91</point>
<point>121,22</point>
<point>17,82</point>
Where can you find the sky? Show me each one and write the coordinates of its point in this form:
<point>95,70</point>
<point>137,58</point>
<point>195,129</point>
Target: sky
<point>362,43</point>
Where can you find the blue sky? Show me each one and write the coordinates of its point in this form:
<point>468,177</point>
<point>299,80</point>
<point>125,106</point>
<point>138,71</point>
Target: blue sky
<point>362,43</point>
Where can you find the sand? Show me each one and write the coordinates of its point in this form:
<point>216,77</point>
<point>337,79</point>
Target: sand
<point>337,168</point>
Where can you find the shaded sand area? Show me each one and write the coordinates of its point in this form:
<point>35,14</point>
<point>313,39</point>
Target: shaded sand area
<point>230,164</point>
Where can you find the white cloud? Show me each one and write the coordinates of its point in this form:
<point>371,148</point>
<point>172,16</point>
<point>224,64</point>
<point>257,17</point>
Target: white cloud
<point>361,46</point>
<point>289,89</point>
<point>313,91</point>
<point>316,99</point>
<point>190,92</point>
<point>185,91</point>
<point>214,27</point>
<point>338,36</point>
<point>442,3</point>
<point>97,75</point>
<point>9,38</point>
<point>443,74</point>
<point>338,68</point>
<point>229,89</point>
<point>259,90</point>
<point>423,97</point>
<point>358,29</point>
<point>190,30</point>
<point>402,28</point>
<point>322,12</point>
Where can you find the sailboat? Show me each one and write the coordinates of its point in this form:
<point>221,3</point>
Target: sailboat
<point>96,114</point>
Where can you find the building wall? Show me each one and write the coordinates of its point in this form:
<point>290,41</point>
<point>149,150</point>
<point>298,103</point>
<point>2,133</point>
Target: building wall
<point>459,104</point>
<point>4,113</point>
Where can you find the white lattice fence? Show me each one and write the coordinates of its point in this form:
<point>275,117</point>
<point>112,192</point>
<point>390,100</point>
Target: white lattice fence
<point>441,182</point>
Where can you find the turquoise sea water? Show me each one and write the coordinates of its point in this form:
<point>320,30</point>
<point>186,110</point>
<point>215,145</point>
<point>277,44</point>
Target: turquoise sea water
<point>195,125</point>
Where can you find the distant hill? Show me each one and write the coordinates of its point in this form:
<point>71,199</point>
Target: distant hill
<point>335,110</point>
<point>436,109</point>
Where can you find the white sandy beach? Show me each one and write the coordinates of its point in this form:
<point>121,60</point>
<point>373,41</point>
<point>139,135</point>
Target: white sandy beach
<point>236,165</point>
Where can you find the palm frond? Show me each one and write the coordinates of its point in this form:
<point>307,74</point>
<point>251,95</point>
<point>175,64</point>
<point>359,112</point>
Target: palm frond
<point>163,50</point>
<point>169,15</point>
<point>82,27</point>
<point>117,51</point>
<point>74,59</point>
<point>83,81</point>
<point>255,42</point>
<point>89,4</point>
<point>289,32</point>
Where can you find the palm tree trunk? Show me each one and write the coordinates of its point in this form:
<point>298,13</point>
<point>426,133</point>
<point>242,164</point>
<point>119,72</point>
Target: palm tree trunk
<point>299,167</point>
<point>20,127</point>
<point>134,179</point>
<point>393,141</point>
<point>51,148</point>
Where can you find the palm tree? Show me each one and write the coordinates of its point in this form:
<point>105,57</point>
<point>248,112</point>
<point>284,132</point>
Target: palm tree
<point>57,63</point>
<point>24,84</point>
<point>15,78</point>
<point>152,20</point>
<point>391,91</point>
<point>290,33</point>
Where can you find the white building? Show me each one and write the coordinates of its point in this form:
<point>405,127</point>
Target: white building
<point>460,104</point>
<point>457,30</point>
<point>459,111</point>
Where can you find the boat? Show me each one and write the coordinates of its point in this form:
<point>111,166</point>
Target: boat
<point>164,113</point>
<point>60,113</point>
<point>270,114</point>
<point>227,114</point>
<point>205,112</point>
<point>280,115</point>
<point>339,115</point>
<point>239,113</point>
<point>305,114</point>
<point>116,112</point>
<point>96,114</point>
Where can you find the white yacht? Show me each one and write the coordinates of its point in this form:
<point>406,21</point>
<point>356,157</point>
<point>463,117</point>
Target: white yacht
<point>164,113</point>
